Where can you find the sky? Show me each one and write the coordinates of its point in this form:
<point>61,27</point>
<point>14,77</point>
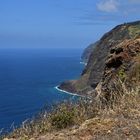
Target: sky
<point>61,23</point>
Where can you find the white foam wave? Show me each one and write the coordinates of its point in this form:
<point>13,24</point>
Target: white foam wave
<point>83,63</point>
<point>74,94</point>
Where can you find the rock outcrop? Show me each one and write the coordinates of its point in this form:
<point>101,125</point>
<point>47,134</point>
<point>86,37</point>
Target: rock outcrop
<point>100,58</point>
<point>122,71</point>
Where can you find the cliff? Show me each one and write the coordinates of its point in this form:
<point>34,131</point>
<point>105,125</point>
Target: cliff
<point>93,72</point>
<point>87,52</point>
<point>121,74</point>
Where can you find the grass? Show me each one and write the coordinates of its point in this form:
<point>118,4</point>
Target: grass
<point>134,31</point>
<point>105,120</point>
<point>62,116</point>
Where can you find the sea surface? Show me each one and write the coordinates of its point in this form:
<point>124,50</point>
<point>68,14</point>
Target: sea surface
<point>28,77</point>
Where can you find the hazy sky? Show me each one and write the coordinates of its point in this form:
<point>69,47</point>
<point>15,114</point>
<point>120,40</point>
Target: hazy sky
<point>61,23</point>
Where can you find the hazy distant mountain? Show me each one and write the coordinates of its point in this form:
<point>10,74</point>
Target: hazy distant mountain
<point>87,52</point>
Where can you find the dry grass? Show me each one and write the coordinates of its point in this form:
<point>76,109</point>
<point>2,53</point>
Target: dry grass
<point>86,120</point>
<point>62,116</point>
<point>120,122</point>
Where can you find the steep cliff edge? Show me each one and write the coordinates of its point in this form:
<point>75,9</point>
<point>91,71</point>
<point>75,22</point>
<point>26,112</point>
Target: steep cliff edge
<point>93,72</point>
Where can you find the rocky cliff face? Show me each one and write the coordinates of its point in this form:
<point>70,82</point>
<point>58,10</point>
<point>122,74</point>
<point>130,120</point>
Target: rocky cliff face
<point>121,74</point>
<point>98,62</point>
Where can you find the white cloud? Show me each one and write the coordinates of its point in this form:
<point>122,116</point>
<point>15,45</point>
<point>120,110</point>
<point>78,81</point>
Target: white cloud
<point>108,5</point>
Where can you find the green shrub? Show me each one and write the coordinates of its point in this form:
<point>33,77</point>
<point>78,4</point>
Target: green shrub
<point>122,74</point>
<point>63,117</point>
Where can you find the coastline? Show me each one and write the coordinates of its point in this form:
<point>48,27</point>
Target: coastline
<point>73,94</point>
<point>70,93</point>
<point>83,63</point>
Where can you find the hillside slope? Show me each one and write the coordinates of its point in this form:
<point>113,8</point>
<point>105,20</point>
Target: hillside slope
<point>93,72</point>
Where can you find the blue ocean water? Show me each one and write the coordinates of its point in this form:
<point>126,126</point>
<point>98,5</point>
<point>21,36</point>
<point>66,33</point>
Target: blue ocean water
<point>28,77</point>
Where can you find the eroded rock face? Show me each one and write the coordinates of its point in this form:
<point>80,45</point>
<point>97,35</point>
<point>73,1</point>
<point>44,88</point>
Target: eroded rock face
<point>122,70</point>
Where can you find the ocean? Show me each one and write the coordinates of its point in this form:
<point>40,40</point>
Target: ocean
<point>28,77</point>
